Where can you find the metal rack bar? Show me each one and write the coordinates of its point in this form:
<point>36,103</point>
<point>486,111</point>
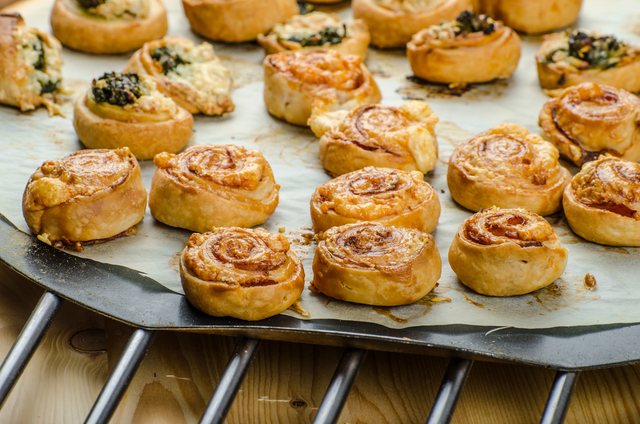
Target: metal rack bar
<point>230,382</point>
<point>559,398</point>
<point>450,390</point>
<point>27,342</point>
<point>120,377</point>
<point>341,383</point>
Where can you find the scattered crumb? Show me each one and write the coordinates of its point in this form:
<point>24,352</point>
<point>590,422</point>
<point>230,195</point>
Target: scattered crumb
<point>441,191</point>
<point>282,229</point>
<point>300,240</point>
<point>296,307</point>
<point>590,281</point>
<point>440,299</point>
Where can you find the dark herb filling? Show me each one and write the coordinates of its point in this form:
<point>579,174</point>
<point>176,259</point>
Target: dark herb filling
<point>116,88</point>
<point>331,35</point>
<point>37,47</point>
<point>88,4</point>
<point>167,59</point>
<point>305,8</point>
<point>469,22</point>
<point>49,86</point>
<point>596,51</point>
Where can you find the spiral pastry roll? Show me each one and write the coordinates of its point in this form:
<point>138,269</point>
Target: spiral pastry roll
<point>387,196</point>
<point>236,21</point>
<point>240,273</point>
<point>532,17</point>
<point>108,26</point>
<point>506,252</point>
<point>471,48</point>
<point>575,56</point>
<point>128,110</point>
<point>88,197</point>
<point>293,80</point>
<point>509,168</point>
<point>393,22</point>
<point>376,135</point>
<point>30,65</point>
<point>213,186</point>
<point>588,120</point>
<point>602,203</point>
<point>374,264</point>
<point>191,75</point>
<point>317,30</point>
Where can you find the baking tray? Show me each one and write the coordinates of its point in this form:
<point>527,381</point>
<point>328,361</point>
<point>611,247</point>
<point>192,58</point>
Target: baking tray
<point>128,296</point>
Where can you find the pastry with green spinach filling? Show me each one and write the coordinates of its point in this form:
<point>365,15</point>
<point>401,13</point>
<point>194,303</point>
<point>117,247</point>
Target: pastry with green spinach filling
<point>191,74</point>
<point>30,65</point>
<point>572,57</point>
<point>127,110</point>
<point>317,30</point>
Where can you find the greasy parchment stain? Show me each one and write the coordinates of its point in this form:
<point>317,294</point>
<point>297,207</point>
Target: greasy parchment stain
<point>417,89</point>
<point>563,293</point>
<point>404,314</point>
<point>301,241</point>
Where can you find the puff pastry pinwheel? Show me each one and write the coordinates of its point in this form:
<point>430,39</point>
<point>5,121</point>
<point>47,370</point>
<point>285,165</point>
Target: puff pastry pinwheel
<point>88,197</point>
<point>588,119</point>
<point>387,196</point>
<point>575,56</point>
<point>317,30</point>
<point>240,273</point>
<point>236,21</point>
<point>376,135</point>
<point>507,167</point>
<point>471,48</point>
<point>602,203</point>
<point>192,75</point>
<point>108,26</point>
<point>393,22</point>
<point>507,252</point>
<point>532,17</point>
<point>374,264</point>
<point>128,110</point>
<point>213,186</point>
<point>293,80</point>
<point>30,65</point>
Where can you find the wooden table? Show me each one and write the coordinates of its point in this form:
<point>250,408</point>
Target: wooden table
<point>285,384</point>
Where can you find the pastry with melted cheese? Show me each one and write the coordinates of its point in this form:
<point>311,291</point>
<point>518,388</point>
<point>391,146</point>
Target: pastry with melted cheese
<point>532,17</point>
<point>85,198</point>
<point>393,22</point>
<point>506,252</point>
<point>128,110</point>
<point>575,56</point>
<point>374,264</point>
<point>375,135</point>
<point>210,186</point>
<point>192,75</point>
<point>317,30</point>
<point>509,168</point>
<point>30,65</point>
<point>602,203</point>
<point>387,196</point>
<point>293,80</point>
<point>472,48</point>
<point>108,26</point>
<point>589,119</point>
<point>237,21</point>
<point>240,273</point>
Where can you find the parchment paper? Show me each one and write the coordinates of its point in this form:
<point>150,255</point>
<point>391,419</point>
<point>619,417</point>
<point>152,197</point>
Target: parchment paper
<point>28,139</point>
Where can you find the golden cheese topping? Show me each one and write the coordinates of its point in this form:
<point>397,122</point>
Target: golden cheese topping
<point>119,9</point>
<point>240,256</point>
<point>518,226</point>
<point>408,5</point>
<point>304,26</point>
<point>372,246</point>
<point>82,174</point>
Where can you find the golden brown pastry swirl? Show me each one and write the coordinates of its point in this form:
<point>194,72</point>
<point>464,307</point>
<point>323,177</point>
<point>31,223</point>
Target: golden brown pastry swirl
<point>507,167</point>
<point>295,79</point>
<point>242,273</point>
<point>506,252</point>
<point>88,196</point>
<point>376,265</point>
<point>387,196</point>
<point>602,203</point>
<point>589,119</point>
<point>210,186</point>
<point>376,135</point>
